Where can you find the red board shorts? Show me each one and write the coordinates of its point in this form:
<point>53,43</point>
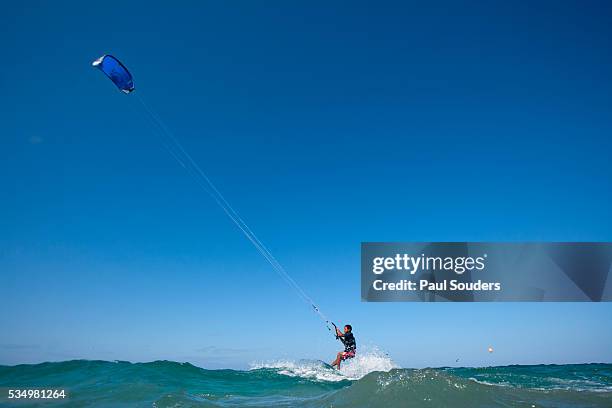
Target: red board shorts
<point>348,354</point>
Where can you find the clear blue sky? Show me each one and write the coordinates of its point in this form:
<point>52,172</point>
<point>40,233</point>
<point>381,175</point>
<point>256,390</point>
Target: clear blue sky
<point>324,125</point>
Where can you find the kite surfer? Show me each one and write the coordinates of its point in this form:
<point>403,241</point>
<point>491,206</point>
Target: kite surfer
<point>350,346</point>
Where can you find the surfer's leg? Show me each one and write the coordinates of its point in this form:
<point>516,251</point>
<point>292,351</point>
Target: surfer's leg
<point>337,360</point>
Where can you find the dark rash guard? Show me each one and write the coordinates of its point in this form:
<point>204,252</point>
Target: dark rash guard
<point>349,342</point>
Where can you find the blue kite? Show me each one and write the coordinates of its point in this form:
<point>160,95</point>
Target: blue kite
<point>116,72</point>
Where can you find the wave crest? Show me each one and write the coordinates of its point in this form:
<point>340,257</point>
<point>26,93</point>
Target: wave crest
<point>365,362</point>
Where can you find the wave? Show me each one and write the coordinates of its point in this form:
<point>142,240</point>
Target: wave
<point>369,382</point>
<point>365,362</point>
<point>576,377</point>
<point>440,388</point>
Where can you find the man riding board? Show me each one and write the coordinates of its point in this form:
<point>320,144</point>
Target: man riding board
<point>350,347</point>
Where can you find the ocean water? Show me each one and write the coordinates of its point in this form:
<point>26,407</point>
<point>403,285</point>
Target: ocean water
<point>367,381</point>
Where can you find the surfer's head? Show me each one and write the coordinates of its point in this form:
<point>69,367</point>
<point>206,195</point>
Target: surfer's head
<point>348,328</point>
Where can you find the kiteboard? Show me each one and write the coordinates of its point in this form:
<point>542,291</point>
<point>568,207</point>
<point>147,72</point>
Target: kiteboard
<point>324,364</point>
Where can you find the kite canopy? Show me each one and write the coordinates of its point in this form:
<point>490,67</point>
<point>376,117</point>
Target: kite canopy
<point>116,72</point>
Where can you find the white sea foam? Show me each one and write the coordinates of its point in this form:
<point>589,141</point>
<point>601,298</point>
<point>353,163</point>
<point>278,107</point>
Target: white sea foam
<point>365,362</point>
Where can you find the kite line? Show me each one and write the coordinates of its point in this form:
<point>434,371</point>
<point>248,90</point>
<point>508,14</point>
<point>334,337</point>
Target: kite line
<point>184,159</point>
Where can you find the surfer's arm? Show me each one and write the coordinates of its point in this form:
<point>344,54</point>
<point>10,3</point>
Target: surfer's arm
<point>339,333</point>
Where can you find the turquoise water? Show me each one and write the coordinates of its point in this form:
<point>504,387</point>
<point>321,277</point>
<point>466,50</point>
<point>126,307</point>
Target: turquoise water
<point>309,384</point>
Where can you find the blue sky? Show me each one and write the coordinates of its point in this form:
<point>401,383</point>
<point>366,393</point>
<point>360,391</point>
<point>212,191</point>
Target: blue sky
<point>324,126</point>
